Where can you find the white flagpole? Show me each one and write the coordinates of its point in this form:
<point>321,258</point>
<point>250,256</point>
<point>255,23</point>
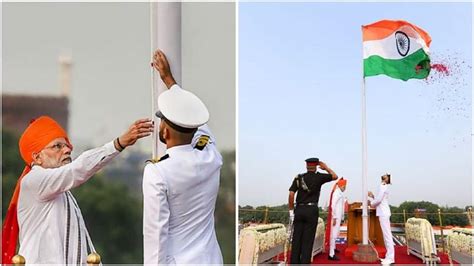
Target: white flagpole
<point>365,217</point>
<point>165,20</point>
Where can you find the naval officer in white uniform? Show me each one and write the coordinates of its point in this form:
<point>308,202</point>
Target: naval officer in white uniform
<point>180,189</point>
<point>380,202</point>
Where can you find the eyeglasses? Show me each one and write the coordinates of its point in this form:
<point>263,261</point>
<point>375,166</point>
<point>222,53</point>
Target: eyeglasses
<point>58,146</point>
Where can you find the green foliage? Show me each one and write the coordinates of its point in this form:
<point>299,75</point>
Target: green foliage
<point>113,218</point>
<point>12,167</point>
<point>11,160</point>
<point>225,208</point>
<point>279,214</point>
<point>450,215</point>
<point>453,219</point>
<point>276,214</point>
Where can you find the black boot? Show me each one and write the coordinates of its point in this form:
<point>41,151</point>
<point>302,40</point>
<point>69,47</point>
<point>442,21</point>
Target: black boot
<point>333,257</point>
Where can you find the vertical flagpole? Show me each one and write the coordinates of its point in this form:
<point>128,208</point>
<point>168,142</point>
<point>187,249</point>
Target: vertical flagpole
<point>165,35</point>
<point>365,217</point>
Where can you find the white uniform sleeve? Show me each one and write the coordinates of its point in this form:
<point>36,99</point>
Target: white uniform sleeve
<point>54,181</point>
<point>156,215</point>
<point>203,130</point>
<point>379,197</point>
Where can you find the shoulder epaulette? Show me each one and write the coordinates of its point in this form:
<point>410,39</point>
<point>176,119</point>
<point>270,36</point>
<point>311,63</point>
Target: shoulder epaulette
<point>202,142</point>
<point>164,157</point>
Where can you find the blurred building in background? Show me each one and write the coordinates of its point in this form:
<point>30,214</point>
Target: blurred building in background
<point>19,109</point>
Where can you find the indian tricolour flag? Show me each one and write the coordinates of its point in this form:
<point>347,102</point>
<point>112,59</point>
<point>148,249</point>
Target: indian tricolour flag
<point>396,48</point>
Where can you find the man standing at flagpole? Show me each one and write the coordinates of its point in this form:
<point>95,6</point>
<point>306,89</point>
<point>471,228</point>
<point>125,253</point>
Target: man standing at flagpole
<point>335,216</point>
<point>180,189</point>
<point>380,202</point>
<point>43,212</point>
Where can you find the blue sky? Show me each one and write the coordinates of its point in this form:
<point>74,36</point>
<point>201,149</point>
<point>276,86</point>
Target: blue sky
<point>299,96</point>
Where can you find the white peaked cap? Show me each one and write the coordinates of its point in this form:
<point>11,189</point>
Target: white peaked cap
<point>182,108</point>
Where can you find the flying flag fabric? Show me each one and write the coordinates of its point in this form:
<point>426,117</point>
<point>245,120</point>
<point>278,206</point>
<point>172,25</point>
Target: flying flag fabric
<point>396,48</point>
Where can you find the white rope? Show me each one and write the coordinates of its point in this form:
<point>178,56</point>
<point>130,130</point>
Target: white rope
<point>152,79</point>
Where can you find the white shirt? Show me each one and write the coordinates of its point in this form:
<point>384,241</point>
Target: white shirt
<point>52,230</point>
<point>179,201</point>
<point>381,201</point>
<point>337,204</point>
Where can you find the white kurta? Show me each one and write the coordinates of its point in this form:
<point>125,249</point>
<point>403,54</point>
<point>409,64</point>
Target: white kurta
<point>337,207</point>
<point>179,201</point>
<point>383,212</point>
<point>52,230</point>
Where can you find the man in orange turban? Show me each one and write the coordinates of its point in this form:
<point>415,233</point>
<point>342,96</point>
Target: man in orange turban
<point>42,211</point>
<point>335,216</point>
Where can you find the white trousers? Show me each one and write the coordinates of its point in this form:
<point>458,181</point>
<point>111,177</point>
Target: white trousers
<point>334,234</point>
<point>387,237</point>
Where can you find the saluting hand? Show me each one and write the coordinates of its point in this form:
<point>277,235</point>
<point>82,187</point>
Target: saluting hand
<point>140,129</point>
<point>322,165</point>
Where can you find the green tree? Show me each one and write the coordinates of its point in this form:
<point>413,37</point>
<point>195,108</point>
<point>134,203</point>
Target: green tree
<point>455,216</point>
<point>411,206</point>
<point>114,219</point>
<point>225,208</point>
<point>12,166</point>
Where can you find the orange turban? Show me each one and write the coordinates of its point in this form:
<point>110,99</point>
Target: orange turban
<point>36,136</point>
<point>341,182</point>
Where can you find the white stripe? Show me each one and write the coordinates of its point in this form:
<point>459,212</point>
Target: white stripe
<point>387,47</point>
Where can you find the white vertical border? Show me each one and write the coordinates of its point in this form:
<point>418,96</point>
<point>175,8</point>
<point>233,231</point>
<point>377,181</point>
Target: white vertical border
<point>236,132</point>
<point>472,107</point>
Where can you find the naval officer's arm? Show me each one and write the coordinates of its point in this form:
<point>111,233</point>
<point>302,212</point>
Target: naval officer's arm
<point>54,181</point>
<point>160,63</point>
<point>380,195</point>
<point>156,215</point>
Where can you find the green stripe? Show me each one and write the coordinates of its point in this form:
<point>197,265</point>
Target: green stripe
<point>403,69</point>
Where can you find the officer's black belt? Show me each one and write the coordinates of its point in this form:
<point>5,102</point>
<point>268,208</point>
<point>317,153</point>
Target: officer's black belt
<point>306,204</point>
